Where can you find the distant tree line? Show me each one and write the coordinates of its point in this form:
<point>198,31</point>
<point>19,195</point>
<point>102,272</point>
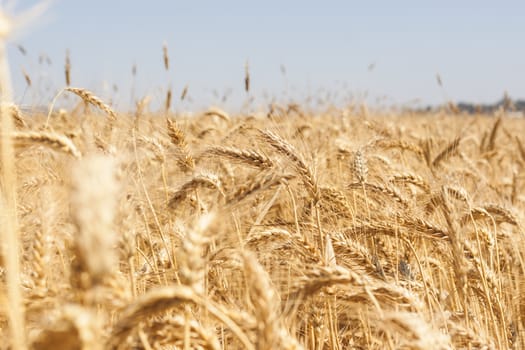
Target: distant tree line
<point>505,104</point>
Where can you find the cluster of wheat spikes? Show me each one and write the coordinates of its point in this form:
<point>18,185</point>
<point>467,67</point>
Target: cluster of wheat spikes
<point>284,230</point>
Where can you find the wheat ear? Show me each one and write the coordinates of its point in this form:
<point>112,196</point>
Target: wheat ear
<point>289,152</point>
<point>88,97</point>
<point>447,152</point>
<point>53,140</point>
<point>16,115</point>
<point>178,138</point>
<point>246,156</point>
<point>200,180</point>
<point>162,299</point>
<point>93,202</point>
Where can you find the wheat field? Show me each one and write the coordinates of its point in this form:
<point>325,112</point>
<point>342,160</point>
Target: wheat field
<point>283,229</point>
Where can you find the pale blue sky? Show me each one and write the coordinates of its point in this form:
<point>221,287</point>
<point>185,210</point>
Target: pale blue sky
<point>476,47</point>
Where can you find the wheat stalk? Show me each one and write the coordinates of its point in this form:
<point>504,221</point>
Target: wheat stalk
<point>75,327</point>
<point>171,330</point>
<point>379,189</point>
<point>207,180</point>
<point>15,113</point>
<point>27,78</point>
<point>178,138</point>
<point>264,300</point>
<point>401,144</point>
<point>246,156</point>
<point>88,97</point>
<point>360,166</point>
<point>191,255</point>
<point>289,151</point>
<point>493,134</point>
<point>214,111</point>
<point>67,69</point>
<point>184,93</point>
<point>450,150</point>
<point>160,300</point>
<point>93,202</point>
<point>246,77</point>
<point>411,179</point>
<point>53,140</point>
<point>260,183</point>
<point>165,56</point>
<point>167,104</point>
<point>9,229</point>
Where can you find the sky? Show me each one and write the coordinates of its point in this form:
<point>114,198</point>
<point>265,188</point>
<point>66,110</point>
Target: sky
<point>381,52</point>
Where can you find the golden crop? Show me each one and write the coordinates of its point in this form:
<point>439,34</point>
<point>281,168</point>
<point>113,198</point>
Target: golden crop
<point>285,229</point>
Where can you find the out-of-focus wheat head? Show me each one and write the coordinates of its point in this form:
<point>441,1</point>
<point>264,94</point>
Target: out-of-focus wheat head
<point>190,255</point>
<point>93,203</point>
<point>10,25</point>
